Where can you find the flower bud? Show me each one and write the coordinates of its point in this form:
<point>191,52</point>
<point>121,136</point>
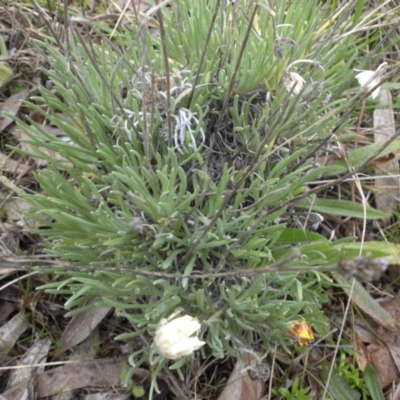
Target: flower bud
<point>174,338</point>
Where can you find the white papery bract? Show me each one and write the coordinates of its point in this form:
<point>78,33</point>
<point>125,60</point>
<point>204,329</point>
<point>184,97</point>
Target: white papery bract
<point>293,81</point>
<point>370,79</point>
<point>365,80</point>
<point>174,338</point>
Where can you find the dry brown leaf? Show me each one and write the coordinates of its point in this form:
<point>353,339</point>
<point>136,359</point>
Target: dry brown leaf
<point>382,361</point>
<point>384,353</point>
<point>240,386</point>
<point>361,354</point>
<point>25,146</point>
<point>6,309</point>
<point>15,207</point>
<point>361,297</point>
<point>89,347</point>
<point>35,355</point>
<point>19,392</point>
<point>364,333</point>
<point>12,330</point>
<point>93,373</point>
<point>7,164</point>
<point>82,325</point>
<point>11,106</point>
<point>387,189</point>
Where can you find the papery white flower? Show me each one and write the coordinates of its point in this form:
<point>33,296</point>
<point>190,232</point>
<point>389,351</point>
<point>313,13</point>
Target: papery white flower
<point>293,79</point>
<point>174,338</point>
<point>369,79</point>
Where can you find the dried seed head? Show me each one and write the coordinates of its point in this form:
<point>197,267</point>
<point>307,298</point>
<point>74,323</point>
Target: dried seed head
<point>365,268</point>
